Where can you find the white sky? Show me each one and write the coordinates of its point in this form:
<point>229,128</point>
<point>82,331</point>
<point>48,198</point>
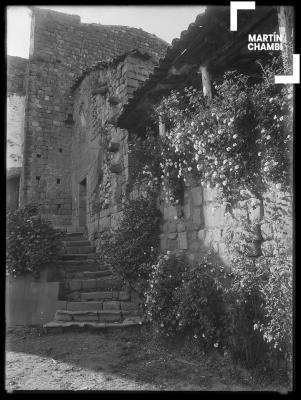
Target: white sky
<point>167,22</point>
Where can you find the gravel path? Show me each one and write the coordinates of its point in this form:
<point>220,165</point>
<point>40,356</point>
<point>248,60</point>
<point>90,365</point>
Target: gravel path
<point>118,360</point>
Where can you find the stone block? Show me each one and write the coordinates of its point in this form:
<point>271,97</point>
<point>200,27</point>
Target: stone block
<point>74,296</point>
<point>113,146</point>
<point>163,241</point>
<point>214,216</point>
<point>187,210</point>
<point>201,234</point>
<point>84,305</point>
<point>208,238</point>
<point>197,197</point>
<point>172,227</point>
<point>181,226</point>
<point>74,285</point>
<point>103,284</point>
<point>182,240</point>
<point>116,168</point>
<point>86,316</point>
<point>197,219</point>
<point>216,235</point>
<point>209,194</point>
<point>89,284</point>
<point>171,245</point>
<point>128,306</point>
<point>62,316</point>
<point>111,305</point>
<point>109,317</point>
<point>124,296</point>
<point>194,246</point>
<point>170,212</point>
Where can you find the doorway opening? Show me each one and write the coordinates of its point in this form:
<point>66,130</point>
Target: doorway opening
<point>83,203</point>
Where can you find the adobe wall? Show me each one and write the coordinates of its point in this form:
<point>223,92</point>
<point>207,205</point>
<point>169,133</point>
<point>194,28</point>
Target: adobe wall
<point>99,147</point>
<point>61,48</point>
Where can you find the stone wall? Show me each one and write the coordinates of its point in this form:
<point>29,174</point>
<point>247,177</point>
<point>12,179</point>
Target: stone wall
<point>200,224</point>
<point>15,110</point>
<point>99,147</point>
<point>15,130</point>
<point>16,71</point>
<point>61,48</point>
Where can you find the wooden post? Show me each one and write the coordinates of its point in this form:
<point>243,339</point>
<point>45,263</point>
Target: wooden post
<point>162,130</point>
<point>286,30</point>
<point>206,81</point>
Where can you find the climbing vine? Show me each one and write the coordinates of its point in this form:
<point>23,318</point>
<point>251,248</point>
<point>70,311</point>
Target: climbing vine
<point>238,141</point>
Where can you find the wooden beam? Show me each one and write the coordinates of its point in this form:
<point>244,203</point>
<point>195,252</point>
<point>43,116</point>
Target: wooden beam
<point>286,21</point>
<point>206,81</point>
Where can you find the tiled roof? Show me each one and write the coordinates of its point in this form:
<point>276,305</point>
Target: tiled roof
<point>208,35</point>
<point>108,63</point>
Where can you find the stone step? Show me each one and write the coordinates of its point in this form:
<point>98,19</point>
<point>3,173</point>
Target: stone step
<point>105,305</point>
<point>80,267</point>
<point>93,284</point>
<point>99,296</point>
<point>72,237</point>
<point>76,257</point>
<point>94,316</point>
<point>55,326</point>
<point>88,274</point>
<point>80,250</point>
<point>76,243</point>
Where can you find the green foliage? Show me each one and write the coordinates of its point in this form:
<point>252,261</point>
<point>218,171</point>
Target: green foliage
<point>239,140</point>
<point>31,241</point>
<point>161,302</point>
<point>144,162</point>
<point>134,246</point>
<point>187,300</point>
<point>262,286</point>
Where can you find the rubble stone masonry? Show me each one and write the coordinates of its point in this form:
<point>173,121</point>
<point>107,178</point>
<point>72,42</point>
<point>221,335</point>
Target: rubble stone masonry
<point>99,147</point>
<point>61,48</point>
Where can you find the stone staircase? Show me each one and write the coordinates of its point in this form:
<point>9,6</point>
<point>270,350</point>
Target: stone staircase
<point>93,295</point>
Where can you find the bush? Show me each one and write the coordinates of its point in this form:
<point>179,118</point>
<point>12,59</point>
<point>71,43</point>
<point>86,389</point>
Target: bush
<point>132,248</point>
<point>31,242</point>
<point>202,311</point>
<point>245,307</point>
<point>161,301</point>
<point>187,300</point>
<point>260,295</point>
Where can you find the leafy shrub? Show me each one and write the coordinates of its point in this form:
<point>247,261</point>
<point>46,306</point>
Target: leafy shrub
<point>132,248</point>
<point>261,292</point>
<point>187,300</point>
<point>161,301</point>
<point>202,311</point>
<point>31,241</point>
<point>245,306</point>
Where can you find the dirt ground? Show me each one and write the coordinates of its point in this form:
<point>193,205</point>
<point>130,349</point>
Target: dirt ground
<point>113,360</point>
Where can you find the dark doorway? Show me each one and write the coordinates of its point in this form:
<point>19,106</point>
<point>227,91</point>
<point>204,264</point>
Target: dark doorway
<point>83,203</point>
